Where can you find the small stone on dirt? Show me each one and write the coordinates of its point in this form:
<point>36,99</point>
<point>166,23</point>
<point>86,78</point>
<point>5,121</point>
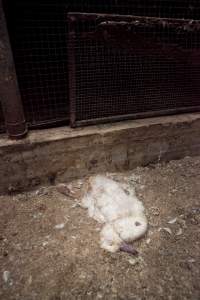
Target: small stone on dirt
<point>165,229</point>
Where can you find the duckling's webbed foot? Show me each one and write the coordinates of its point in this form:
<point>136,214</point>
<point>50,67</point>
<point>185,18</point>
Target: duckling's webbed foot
<point>128,249</point>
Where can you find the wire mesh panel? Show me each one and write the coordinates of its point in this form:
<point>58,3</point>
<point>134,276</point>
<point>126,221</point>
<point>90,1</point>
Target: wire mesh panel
<point>126,67</point>
<point>107,79</point>
<point>38,36</point>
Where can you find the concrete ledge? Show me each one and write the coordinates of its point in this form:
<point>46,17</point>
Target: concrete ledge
<point>61,154</point>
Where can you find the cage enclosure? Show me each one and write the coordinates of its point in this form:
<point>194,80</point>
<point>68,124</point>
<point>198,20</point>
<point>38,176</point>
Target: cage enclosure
<point>86,62</point>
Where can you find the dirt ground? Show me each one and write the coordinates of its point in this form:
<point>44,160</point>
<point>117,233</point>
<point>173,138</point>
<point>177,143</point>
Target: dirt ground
<point>49,247</point>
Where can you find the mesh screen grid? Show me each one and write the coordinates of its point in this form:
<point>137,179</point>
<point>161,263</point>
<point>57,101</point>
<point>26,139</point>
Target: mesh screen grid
<point>38,36</point>
<point>135,70</point>
<point>104,74</point>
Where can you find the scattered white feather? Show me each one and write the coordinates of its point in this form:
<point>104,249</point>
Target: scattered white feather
<point>6,276</point>
<point>60,226</point>
<point>172,221</point>
<point>132,261</point>
<point>45,243</point>
<point>121,213</point>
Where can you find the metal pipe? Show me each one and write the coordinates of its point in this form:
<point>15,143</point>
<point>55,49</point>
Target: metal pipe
<point>9,90</point>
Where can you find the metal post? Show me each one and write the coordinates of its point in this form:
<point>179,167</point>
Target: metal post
<point>72,69</point>
<point>9,90</point>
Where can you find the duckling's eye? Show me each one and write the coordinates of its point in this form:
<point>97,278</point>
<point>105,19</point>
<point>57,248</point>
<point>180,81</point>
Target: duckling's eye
<point>137,223</point>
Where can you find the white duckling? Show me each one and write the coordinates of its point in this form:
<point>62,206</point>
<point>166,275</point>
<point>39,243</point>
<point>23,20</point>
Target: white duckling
<point>121,212</point>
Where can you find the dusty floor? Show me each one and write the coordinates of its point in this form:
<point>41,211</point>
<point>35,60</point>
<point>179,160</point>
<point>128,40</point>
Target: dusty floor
<point>39,260</point>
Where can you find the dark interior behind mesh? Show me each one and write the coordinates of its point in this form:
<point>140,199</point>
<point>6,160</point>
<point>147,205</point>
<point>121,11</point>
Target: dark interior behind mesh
<point>38,36</point>
<point>126,69</point>
<point>109,79</point>
<point>124,83</point>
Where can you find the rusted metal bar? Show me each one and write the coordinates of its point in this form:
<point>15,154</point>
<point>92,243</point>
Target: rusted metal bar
<point>148,114</point>
<point>179,24</point>
<point>72,71</point>
<point>9,90</point>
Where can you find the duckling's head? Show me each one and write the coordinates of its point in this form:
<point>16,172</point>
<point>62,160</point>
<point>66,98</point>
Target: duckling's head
<point>124,230</point>
<point>131,228</point>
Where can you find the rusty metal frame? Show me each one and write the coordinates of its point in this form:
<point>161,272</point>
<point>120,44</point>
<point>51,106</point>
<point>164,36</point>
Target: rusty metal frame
<point>185,24</point>
<point>10,96</point>
<point>120,20</point>
<point>143,115</point>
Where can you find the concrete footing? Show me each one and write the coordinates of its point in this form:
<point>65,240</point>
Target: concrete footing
<point>62,154</point>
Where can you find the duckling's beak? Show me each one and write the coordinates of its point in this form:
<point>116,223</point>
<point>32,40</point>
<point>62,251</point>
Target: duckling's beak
<point>128,249</point>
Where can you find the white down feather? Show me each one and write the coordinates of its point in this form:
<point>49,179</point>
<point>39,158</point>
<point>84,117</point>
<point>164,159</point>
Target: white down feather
<point>122,214</point>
